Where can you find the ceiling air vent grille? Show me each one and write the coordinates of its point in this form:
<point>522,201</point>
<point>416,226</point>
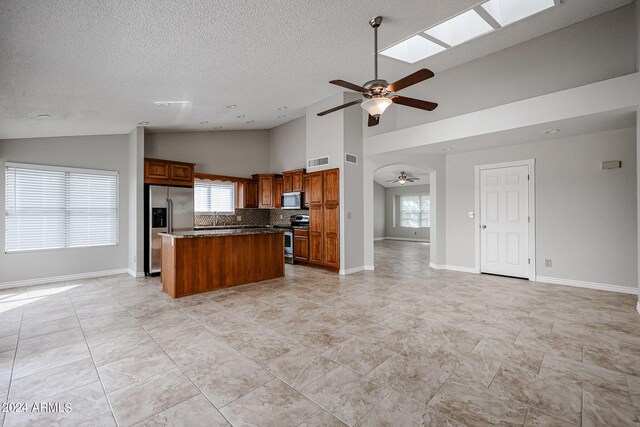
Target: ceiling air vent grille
<point>312,163</point>
<point>351,158</point>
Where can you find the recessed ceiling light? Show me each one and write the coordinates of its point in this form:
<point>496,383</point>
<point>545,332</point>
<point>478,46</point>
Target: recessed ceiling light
<point>506,12</point>
<point>241,116</point>
<point>250,121</point>
<point>282,116</point>
<point>170,103</point>
<point>232,106</point>
<point>447,149</point>
<point>204,122</point>
<point>413,49</point>
<point>143,123</point>
<point>282,108</point>
<point>43,116</point>
<point>552,131</point>
<point>460,29</point>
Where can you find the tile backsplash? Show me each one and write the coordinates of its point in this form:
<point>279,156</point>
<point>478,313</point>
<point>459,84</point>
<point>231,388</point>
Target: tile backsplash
<point>251,217</point>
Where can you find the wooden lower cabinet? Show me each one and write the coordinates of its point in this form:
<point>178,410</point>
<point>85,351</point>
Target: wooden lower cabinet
<point>315,234</point>
<point>331,246</point>
<point>324,218</point>
<point>301,244</point>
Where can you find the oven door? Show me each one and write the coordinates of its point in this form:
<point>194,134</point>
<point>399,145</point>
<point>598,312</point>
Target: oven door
<point>288,247</point>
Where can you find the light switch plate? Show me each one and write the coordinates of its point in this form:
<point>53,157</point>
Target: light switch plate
<point>547,263</point>
<point>348,215</point>
<point>472,214</point>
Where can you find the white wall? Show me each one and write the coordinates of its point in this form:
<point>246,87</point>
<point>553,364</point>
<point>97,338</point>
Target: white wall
<point>593,50</point>
<point>233,153</point>
<point>92,152</point>
<point>391,205</point>
<point>288,146</point>
<point>379,214</point>
<point>136,202</point>
<point>586,217</point>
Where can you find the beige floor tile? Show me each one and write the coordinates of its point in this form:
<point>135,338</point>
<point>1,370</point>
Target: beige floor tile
<point>601,410</point>
<point>411,377</point>
<point>478,368</point>
<point>259,343</point>
<point>142,400</point>
<point>300,367</point>
<point>322,418</point>
<point>397,410</point>
<point>9,329</point>
<point>550,343</point>
<point>346,394</point>
<point>274,404</point>
<point>538,418</point>
<point>195,412</point>
<point>473,405</point>
<point>49,341</point>
<point>616,360</point>
<point>135,368</point>
<point>634,389</point>
<point>40,361</point>
<point>50,382</point>
<point>359,355</point>
<point>45,328</point>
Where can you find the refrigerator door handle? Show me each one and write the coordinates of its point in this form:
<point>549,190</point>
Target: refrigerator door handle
<point>169,216</point>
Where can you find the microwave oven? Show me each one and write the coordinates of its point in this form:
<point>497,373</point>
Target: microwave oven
<point>293,200</point>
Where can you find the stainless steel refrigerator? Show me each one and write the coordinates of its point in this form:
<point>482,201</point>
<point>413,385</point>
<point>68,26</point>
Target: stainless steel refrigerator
<point>170,209</point>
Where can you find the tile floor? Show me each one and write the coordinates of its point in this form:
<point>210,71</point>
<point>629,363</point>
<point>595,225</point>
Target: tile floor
<point>402,346</point>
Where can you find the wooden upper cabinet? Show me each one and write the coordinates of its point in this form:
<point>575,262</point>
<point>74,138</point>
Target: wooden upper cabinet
<point>287,182</point>
<point>167,172</point>
<point>277,193</point>
<point>305,189</point>
<point>250,194</point>
<point>265,189</point>
<point>331,184</point>
<point>293,180</point>
<point>315,189</point>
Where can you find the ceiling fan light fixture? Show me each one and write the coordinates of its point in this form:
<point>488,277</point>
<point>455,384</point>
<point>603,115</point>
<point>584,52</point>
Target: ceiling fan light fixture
<point>376,106</point>
<point>402,181</point>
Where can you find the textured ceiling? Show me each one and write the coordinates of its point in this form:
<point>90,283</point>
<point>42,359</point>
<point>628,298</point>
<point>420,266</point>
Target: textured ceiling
<point>96,67</point>
<point>389,173</point>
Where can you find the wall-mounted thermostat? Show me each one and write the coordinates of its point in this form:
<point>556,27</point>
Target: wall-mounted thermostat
<point>612,164</point>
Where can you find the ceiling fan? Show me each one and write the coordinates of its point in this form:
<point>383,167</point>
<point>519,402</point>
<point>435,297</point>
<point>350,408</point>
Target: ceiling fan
<point>378,94</point>
<point>402,179</point>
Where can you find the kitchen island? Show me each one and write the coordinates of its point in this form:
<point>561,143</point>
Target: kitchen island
<point>205,260</point>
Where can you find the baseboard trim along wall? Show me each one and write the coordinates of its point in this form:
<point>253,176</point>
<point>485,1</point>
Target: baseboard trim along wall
<point>403,238</point>
<point>54,279</point>
<point>369,267</point>
<point>436,266</point>
<point>589,285</point>
<point>346,271</point>
<point>137,275</point>
<point>453,268</point>
<point>638,307</point>
<point>376,239</point>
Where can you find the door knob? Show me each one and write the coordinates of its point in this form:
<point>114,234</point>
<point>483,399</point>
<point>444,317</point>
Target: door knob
<point>483,226</point>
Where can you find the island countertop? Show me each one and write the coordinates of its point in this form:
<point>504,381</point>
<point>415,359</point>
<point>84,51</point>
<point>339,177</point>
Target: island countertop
<point>222,232</point>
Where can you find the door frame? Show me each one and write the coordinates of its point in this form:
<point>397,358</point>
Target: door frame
<point>531,164</point>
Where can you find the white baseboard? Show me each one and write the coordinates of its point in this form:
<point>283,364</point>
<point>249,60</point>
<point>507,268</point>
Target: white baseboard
<point>54,279</point>
<point>346,271</point>
<point>376,239</point>
<point>369,267</point>
<point>406,239</point>
<point>461,269</point>
<point>436,266</point>
<point>137,275</point>
<point>589,285</point>
<point>638,307</point>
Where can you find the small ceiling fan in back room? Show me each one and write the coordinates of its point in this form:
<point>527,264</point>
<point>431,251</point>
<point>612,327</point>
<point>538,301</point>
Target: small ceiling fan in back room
<point>378,94</point>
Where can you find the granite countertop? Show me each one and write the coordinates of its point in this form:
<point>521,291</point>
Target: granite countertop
<point>222,232</point>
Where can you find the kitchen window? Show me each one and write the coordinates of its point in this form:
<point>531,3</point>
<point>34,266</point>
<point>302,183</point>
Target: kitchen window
<point>415,211</point>
<point>48,207</point>
<point>211,197</point>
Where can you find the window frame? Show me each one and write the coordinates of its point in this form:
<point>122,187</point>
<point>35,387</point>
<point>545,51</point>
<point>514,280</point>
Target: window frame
<point>234,185</point>
<point>64,169</point>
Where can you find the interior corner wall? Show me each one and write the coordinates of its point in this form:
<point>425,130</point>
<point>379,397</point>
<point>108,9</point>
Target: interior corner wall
<point>586,217</point>
<point>136,202</point>
<point>107,152</point>
<point>392,211</point>
<point>379,214</point>
<point>232,153</point>
<point>288,146</point>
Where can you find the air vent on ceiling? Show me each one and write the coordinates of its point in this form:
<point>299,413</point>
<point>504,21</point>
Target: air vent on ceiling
<point>312,163</point>
<point>351,158</point>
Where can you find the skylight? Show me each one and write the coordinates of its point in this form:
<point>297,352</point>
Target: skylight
<point>490,15</point>
<point>413,49</point>
<point>460,29</point>
<point>506,12</point>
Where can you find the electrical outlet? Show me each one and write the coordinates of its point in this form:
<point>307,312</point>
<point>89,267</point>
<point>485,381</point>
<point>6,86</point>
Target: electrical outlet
<point>472,214</point>
<point>281,216</point>
<point>415,233</point>
<point>547,263</point>
<point>239,218</point>
<point>348,215</point>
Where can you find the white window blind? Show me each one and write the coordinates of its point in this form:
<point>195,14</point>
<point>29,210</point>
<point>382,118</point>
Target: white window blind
<point>214,196</point>
<point>415,211</point>
<point>53,207</point>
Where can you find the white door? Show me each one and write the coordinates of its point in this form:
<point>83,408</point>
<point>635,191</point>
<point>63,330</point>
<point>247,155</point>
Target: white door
<point>504,221</point>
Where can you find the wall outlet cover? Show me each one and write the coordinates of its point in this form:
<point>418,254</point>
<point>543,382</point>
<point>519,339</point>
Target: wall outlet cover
<point>547,263</point>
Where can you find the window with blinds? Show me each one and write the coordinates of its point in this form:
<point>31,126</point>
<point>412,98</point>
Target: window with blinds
<point>51,207</point>
<point>415,211</point>
<point>214,196</point>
